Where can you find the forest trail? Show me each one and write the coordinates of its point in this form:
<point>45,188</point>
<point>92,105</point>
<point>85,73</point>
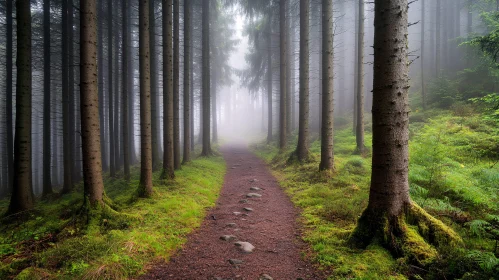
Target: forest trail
<point>269,225</point>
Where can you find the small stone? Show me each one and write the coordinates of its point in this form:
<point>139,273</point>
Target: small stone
<point>250,195</point>
<point>243,201</point>
<point>228,237</point>
<point>245,247</point>
<point>265,277</point>
<point>235,261</point>
<point>255,189</point>
<point>237,213</point>
<point>253,180</point>
<point>248,209</point>
<point>231,225</point>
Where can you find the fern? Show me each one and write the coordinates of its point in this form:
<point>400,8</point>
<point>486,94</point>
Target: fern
<point>486,260</point>
<point>478,227</point>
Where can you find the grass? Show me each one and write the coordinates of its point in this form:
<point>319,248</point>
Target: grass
<point>452,176</point>
<point>41,246</point>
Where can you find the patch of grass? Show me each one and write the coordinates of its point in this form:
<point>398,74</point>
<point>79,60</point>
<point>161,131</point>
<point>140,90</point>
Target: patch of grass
<point>42,245</point>
<point>452,176</point>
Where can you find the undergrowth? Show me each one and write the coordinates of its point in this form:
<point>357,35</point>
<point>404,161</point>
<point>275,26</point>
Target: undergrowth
<point>45,244</point>
<point>453,176</point>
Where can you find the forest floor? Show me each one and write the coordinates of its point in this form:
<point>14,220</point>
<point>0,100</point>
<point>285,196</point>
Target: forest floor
<point>251,208</point>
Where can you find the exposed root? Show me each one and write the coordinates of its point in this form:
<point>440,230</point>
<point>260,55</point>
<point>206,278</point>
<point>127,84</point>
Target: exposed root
<point>414,234</point>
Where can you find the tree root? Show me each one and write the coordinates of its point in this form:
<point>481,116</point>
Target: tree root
<point>414,234</point>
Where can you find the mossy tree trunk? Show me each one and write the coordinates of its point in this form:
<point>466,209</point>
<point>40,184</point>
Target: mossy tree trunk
<point>89,104</point>
<point>22,192</point>
<point>302,148</point>
<point>390,209</point>
<point>168,164</point>
<point>327,156</point>
<point>145,186</point>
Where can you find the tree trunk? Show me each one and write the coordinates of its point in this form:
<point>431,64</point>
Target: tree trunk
<point>47,183</point>
<point>289,129</point>
<point>356,67</point>
<point>283,74</point>
<point>131,91</point>
<point>269,78</point>
<point>100,57</point>
<point>176,82</point>
<point>187,80</point>
<point>124,115</point>
<point>213,91</point>
<point>112,169</point>
<point>116,94</point>
<point>359,132</point>
<point>8,97</point>
<point>154,89</point>
<point>89,102</point>
<point>206,79</point>
<point>145,187</point>
<point>66,109</point>
<point>71,94</point>
<point>292,73</point>
<point>423,95</point>
<point>302,148</point>
<point>191,73</point>
<point>327,156</point>
<point>22,192</point>
<point>438,39</point>
<point>168,162</point>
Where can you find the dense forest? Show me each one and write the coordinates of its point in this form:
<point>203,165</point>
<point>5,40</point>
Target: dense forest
<point>249,139</point>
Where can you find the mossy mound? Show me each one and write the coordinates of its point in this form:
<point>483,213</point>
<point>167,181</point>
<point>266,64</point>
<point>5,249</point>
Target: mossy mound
<point>414,234</point>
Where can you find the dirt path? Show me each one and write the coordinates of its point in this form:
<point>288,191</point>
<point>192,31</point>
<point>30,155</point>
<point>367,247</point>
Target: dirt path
<point>270,227</point>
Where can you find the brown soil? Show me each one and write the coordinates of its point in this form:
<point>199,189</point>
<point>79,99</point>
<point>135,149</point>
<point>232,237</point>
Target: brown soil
<point>271,227</point>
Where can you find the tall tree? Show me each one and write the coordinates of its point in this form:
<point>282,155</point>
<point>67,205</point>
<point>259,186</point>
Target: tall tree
<point>327,156</point>
<point>47,183</point>
<point>100,69</point>
<point>269,77</point>
<point>145,187</point>
<point>302,148</point>
<point>116,93</point>
<point>71,93</point>
<point>437,38</point>
<point>176,83</point>
<point>168,161</point>
<point>206,151</point>
<point>112,162</point>
<point>125,99</point>
<point>8,97</point>
<point>390,209</point>
<point>154,88</point>
<point>359,131</point>
<point>423,94</point>
<point>22,192</point>
<point>89,104</point>
<point>66,109</point>
<point>282,79</point>
<point>187,80</point>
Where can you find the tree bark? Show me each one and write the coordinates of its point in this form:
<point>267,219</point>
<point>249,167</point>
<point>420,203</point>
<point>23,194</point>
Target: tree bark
<point>22,192</point>
<point>145,187</point>
<point>47,182</point>
<point>154,89</point>
<point>356,67</point>
<point>168,161</point>
<point>116,94</point>
<point>283,75</point>
<point>100,66</point>
<point>327,156</point>
<point>289,129</point>
<point>131,91</point>
<point>71,95</point>
<point>112,165</point>
<point>89,102</point>
<point>359,132</point>
<point>191,62</point>
<point>187,80</point>
<point>124,115</point>
<point>206,79</point>
<point>176,82</point>
<point>269,78</point>
<point>302,148</point>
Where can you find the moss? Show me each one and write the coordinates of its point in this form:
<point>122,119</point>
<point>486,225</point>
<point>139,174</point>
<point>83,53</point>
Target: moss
<point>33,273</point>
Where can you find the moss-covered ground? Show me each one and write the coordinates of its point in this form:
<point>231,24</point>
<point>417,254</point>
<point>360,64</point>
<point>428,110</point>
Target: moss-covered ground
<point>454,176</point>
<point>46,244</point>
